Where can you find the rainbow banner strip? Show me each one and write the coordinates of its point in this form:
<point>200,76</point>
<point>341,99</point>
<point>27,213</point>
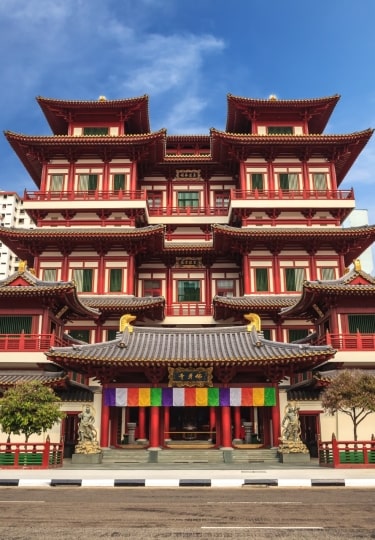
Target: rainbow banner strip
<point>189,397</point>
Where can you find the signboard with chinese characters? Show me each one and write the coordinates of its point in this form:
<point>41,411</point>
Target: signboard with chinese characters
<point>189,262</point>
<point>188,173</point>
<point>194,377</point>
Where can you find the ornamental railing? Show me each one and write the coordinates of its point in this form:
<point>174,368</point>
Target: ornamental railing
<point>347,454</point>
<point>291,194</point>
<point>189,309</point>
<point>46,455</point>
<point>89,195</point>
<point>193,211</point>
<point>349,342</point>
<point>29,342</point>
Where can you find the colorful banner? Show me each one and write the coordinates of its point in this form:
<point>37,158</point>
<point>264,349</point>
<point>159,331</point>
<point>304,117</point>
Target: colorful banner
<point>189,397</point>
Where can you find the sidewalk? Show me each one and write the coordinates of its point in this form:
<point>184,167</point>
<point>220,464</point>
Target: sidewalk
<point>189,475</point>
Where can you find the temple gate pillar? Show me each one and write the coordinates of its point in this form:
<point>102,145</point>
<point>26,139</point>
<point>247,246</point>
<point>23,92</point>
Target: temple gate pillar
<point>166,431</point>
<point>275,411</point>
<point>237,423</point>
<point>154,427</point>
<point>212,422</point>
<point>141,424</point>
<point>226,426</point>
<point>104,427</point>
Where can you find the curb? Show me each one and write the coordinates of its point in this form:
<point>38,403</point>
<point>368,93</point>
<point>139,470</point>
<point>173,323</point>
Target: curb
<point>189,482</point>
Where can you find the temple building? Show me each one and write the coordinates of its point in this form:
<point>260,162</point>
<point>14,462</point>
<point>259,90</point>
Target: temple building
<point>188,286</point>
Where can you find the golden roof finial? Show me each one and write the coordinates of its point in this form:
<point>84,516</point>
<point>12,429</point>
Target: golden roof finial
<point>22,267</point>
<point>273,97</point>
<point>102,98</point>
<point>357,265</point>
<point>125,322</point>
<point>254,322</point>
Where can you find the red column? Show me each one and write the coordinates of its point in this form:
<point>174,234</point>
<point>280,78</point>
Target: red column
<point>226,435</point>
<point>70,186</point>
<point>169,289</point>
<point>133,177</point>
<point>276,273</point>
<point>276,419</point>
<point>208,295</point>
<point>64,268</point>
<point>167,416</point>
<point>243,179</point>
<point>130,276</point>
<point>142,423</point>
<point>104,429</point>
<point>237,422</point>
<point>154,427</point>
<point>212,421</point>
<point>271,179</point>
<point>101,274</point>
<point>246,273</point>
<point>105,187</point>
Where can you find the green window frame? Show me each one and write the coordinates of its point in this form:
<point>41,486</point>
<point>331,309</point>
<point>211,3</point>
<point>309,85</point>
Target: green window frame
<point>98,130</point>
<point>328,274</point>
<point>222,199</point>
<point>87,182</point>
<point>189,290</point>
<point>118,181</point>
<point>81,335</point>
<point>261,279</point>
<point>362,323</point>
<point>267,333</point>
<point>288,181</point>
<point>295,334</point>
<point>115,279</point>
<point>280,130</point>
<point>294,278</point>
<point>111,334</point>
<point>188,199</point>
<point>256,181</point>
<point>15,324</point>
<point>83,278</point>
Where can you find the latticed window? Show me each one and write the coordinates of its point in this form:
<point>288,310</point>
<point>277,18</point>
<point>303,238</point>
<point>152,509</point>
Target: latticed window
<point>83,279</point>
<point>95,131</point>
<point>187,199</point>
<point>118,181</point>
<point>152,287</point>
<point>320,181</point>
<point>111,334</point>
<point>328,273</point>
<point>266,333</point>
<point>295,334</point>
<point>261,279</point>
<point>225,287</point>
<point>363,323</point>
<point>154,199</point>
<point>188,291</point>
<point>115,280</point>
<point>221,199</point>
<point>288,181</point>
<point>256,181</point>
<point>14,324</point>
<point>57,182</point>
<point>294,278</point>
<point>50,274</point>
<point>87,182</point>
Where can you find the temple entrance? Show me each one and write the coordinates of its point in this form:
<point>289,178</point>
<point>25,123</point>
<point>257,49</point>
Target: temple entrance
<point>310,431</point>
<point>190,424</point>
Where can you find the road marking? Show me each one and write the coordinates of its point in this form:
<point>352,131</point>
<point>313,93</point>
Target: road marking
<point>273,528</point>
<point>255,502</point>
<point>21,502</point>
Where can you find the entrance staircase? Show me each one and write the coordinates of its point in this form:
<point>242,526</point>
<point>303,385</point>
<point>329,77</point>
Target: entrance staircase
<point>122,457</point>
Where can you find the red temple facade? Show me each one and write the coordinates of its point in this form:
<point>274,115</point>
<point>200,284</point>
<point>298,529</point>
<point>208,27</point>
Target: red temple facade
<point>223,256</point>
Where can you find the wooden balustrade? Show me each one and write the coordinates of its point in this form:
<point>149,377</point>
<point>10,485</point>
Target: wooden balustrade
<point>347,454</point>
<point>29,342</point>
<point>47,455</point>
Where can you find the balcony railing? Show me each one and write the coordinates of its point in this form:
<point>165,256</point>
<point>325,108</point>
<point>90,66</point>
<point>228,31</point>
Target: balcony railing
<point>347,454</point>
<point>292,194</point>
<point>29,342</point>
<point>188,310</point>
<point>199,211</point>
<point>93,195</point>
<point>349,342</point>
<point>46,455</point>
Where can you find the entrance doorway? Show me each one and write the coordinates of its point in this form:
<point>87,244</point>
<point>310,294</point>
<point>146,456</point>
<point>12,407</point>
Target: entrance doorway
<point>310,431</point>
<point>189,423</point>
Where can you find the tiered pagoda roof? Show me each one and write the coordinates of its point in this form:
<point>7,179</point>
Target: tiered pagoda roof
<point>350,242</point>
<point>133,112</point>
<point>343,150</point>
<point>356,285</point>
<point>221,347</point>
<point>243,111</point>
<point>226,307</point>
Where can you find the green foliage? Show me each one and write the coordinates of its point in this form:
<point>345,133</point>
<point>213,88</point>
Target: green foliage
<point>353,393</point>
<point>29,408</point>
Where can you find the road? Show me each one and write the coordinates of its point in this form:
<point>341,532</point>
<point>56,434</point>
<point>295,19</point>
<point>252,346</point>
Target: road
<point>248,512</point>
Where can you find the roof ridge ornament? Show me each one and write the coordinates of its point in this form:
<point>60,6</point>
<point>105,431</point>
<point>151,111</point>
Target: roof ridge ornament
<point>357,265</point>
<point>126,329</point>
<point>254,322</point>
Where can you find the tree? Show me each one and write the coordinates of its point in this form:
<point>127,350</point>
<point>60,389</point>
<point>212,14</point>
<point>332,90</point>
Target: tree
<point>29,408</point>
<point>353,393</point>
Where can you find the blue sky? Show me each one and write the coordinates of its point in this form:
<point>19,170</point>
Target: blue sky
<point>187,55</point>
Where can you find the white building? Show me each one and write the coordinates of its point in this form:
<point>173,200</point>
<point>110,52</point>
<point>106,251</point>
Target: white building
<point>12,214</point>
